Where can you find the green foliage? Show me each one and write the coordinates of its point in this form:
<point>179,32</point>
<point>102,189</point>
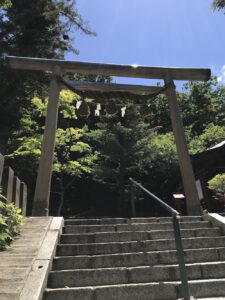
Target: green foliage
<point>218,4</point>
<point>10,220</point>
<point>4,4</point>
<point>217,185</point>
<point>69,145</point>
<point>123,152</point>
<point>45,30</point>
<point>202,103</point>
<point>212,135</point>
<point>163,163</point>
<point>73,156</point>
<point>130,147</point>
<point>160,116</point>
<point>122,144</point>
<point>111,150</point>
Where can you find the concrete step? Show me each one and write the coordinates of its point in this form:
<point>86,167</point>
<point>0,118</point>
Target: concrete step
<point>6,286</point>
<point>125,236</point>
<point>133,227</point>
<point>18,273</point>
<point>138,259</point>
<point>106,221</point>
<point>9,295</point>
<point>143,291</point>
<point>121,259</point>
<point>9,260</point>
<point>144,274</point>
<point>217,298</point>
<point>137,246</point>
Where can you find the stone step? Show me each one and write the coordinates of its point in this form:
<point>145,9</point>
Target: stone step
<point>133,227</point>
<point>138,259</point>
<point>217,298</point>
<point>121,236</point>
<point>143,291</point>
<point>137,246</point>
<point>106,221</point>
<point>144,274</point>
<point>6,286</point>
<point>18,273</point>
<point>11,260</point>
<point>9,295</point>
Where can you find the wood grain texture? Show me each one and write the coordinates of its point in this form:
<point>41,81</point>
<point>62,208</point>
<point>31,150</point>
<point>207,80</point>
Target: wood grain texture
<point>40,64</point>
<point>113,87</point>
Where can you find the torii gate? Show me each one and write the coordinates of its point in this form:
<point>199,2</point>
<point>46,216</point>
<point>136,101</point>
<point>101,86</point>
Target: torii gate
<point>58,67</point>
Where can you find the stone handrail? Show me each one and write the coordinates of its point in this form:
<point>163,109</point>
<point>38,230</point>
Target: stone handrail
<point>13,189</point>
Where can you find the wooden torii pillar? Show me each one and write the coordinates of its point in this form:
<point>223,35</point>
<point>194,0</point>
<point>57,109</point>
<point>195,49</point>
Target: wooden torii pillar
<point>58,67</point>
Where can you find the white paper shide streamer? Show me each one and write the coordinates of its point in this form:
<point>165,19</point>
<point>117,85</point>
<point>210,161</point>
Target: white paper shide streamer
<point>123,111</point>
<point>97,110</point>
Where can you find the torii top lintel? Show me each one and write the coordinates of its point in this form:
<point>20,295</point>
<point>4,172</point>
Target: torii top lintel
<point>41,64</point>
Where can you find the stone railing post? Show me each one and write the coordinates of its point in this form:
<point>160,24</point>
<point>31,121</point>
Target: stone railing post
<point>7,183</point>
<point>23,198</point>
<point>1,166</point>
<point>16,191</point>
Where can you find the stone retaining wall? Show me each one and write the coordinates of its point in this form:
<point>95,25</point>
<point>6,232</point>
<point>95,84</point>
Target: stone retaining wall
<point>24,267</point>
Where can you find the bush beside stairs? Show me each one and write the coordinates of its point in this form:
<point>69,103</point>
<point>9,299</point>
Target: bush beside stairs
<point>135,259</point>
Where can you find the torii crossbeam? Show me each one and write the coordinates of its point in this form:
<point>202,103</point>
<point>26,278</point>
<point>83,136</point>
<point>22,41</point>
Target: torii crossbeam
<point>58,67</point>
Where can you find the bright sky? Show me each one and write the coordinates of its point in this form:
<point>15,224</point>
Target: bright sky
<point>182,33</point>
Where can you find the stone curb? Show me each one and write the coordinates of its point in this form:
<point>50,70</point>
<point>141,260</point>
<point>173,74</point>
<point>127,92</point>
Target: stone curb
<point>36,281</point>
<point>216,220</point>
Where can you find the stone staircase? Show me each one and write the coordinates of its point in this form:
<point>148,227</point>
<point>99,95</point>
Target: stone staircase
<point>135,259</point>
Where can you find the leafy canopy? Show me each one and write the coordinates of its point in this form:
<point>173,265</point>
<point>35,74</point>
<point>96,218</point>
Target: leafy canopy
<point>43,28</point>
<point>218,4</point>
<point>72,155</point>
<point>4,4</point>
<point>217,185</point>
<point>10,220</point>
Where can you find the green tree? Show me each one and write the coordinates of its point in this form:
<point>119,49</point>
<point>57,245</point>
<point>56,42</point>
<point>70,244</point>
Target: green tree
<point>218,4</point>
<point>4,4</point>
<point>202,103</point>
<point>212,135</point>
<point>73,157</point>
<point>217,185</point>
<point>122,143</point>
<point>45,30</point>
<point>10,221</point>
<point>160,115</point>
<point>163,165</point>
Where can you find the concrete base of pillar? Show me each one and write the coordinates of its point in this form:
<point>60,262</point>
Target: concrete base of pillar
<point>195,210</point>
<point>39,210</point>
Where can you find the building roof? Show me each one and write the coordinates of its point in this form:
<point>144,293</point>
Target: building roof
<point>213,157</point>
